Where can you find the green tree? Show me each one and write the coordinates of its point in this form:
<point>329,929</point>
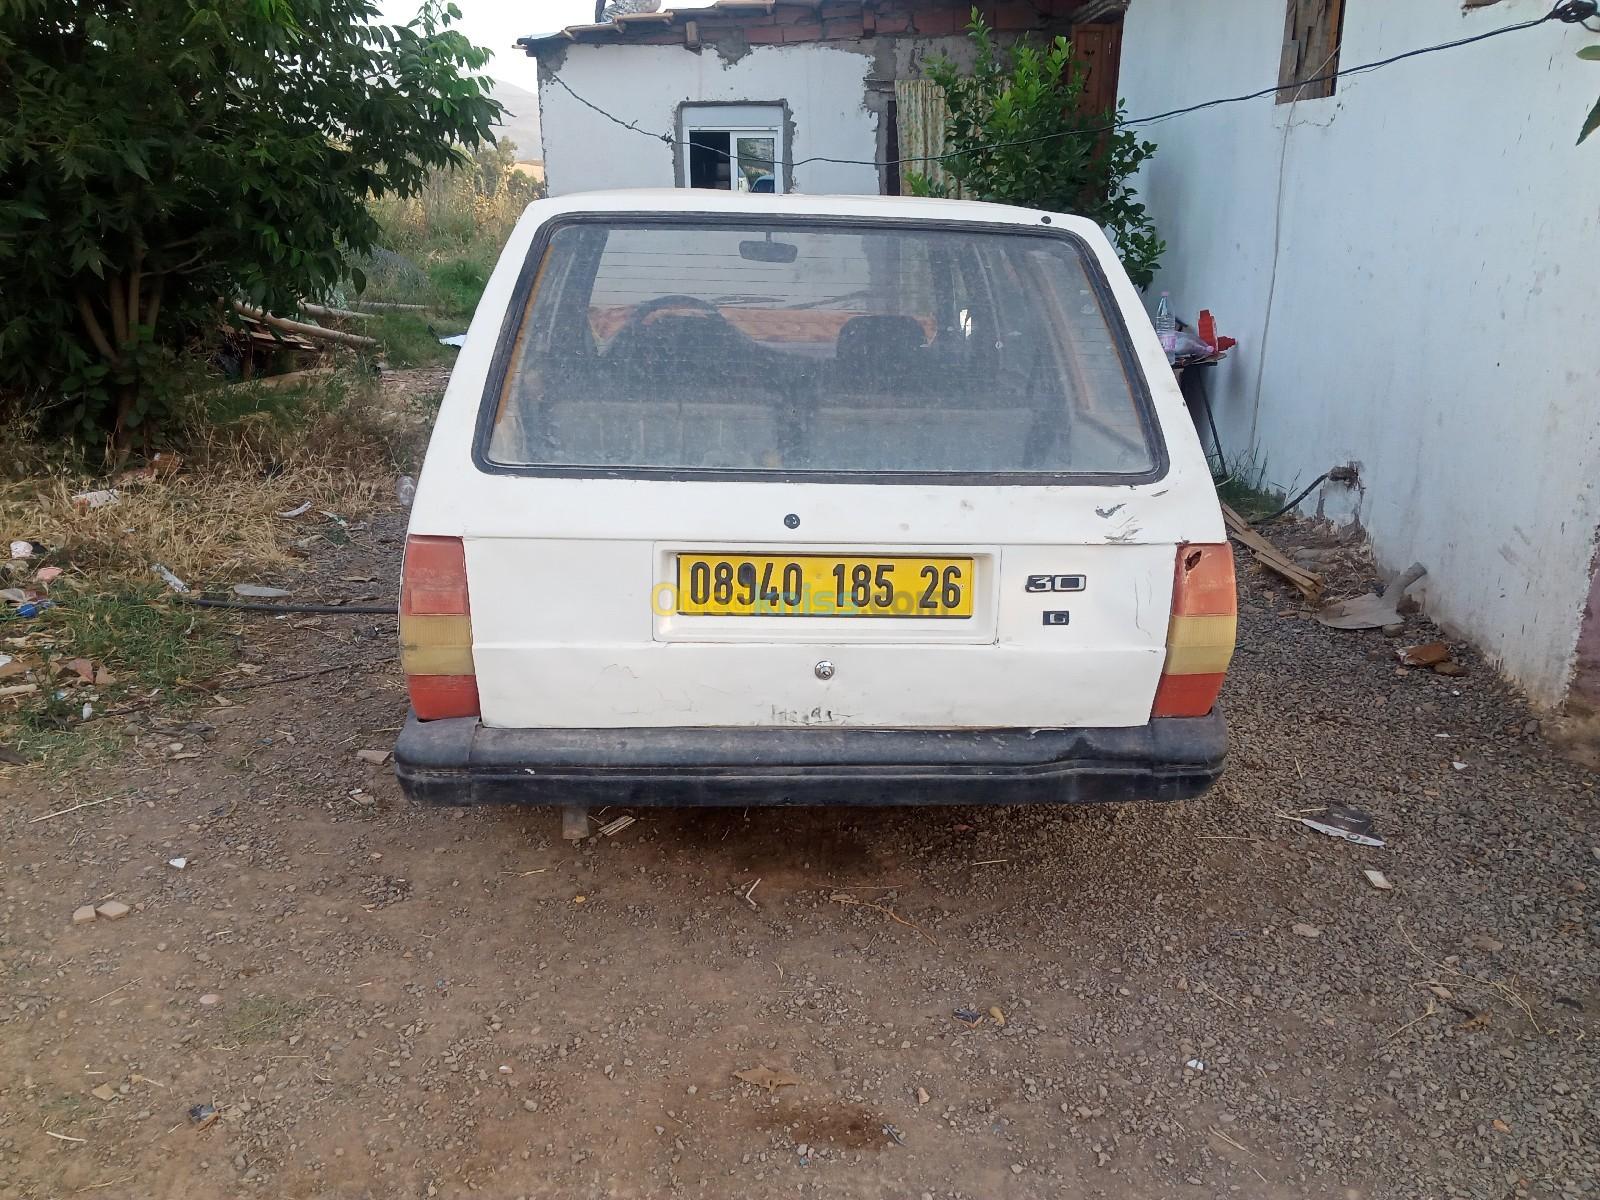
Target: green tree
<point>161,157</point>
<point>1592,121</point>
<point>1017,133</point>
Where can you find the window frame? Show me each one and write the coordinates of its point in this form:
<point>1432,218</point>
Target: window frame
<point>529,275</point>
<point>735,118</point>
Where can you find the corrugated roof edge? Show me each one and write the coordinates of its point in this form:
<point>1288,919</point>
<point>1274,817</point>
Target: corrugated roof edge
<point>723,11</point>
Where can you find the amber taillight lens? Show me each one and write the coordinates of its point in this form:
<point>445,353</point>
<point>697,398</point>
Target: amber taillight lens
<point>436,629</point>
<point>1200,637</point>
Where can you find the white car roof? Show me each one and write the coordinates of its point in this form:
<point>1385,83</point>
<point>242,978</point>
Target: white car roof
<point>650,201</point>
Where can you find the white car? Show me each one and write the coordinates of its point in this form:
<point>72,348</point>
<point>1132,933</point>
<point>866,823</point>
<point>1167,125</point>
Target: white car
<point>752,499</point>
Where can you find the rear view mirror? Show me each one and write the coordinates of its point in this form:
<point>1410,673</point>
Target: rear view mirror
<point>769,251</point>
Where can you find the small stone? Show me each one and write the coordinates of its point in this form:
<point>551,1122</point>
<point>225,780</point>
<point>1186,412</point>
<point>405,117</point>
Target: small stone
<point>83,915</point>
<point>802,1149</point>
<point>210,999</point>
<point>531,1105</point>
<point>113,910</point>
<point>922,1096</point>
<point>1016,1168</point>
<point>1449,667</point>
<point>692,1089</point>
<point>1301,929</point>
<point>1395,629</point>
<point>376,757</point>
<point>1482,941</point>
<point>104,1092</point>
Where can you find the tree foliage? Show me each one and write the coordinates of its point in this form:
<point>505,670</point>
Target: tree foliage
<point>1017,133</point>
<point>160,157</point>
<point>1592,121</point>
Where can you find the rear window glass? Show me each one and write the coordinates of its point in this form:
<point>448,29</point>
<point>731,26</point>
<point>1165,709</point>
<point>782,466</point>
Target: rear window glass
<point>870,351</point>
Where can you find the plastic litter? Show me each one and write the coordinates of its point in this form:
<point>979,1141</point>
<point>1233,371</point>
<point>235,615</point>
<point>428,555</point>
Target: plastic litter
<point>21,549</point>
<point>171,580</point>
<point>1342,821</point>
<point>89,501</point>
<point>455,340</point>
<point>298,510</point>
<point>256,591</point>
<point>1196,1064</point>
<point>405,490</point>
<point>178,863</point>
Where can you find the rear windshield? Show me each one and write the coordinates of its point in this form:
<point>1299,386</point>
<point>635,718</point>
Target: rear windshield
<point>804,349</point>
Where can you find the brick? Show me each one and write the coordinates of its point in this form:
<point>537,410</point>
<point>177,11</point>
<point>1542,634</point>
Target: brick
<point>841,27</point>
<point>762,35</point>
<point>82,916</point>
<point>939,22</point>
<point>1014,17</point>
<point>893,24</point>
<point>113,910</point>
<point>805,31</point>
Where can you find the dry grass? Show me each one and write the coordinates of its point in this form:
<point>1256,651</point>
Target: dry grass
<point>216,520</point>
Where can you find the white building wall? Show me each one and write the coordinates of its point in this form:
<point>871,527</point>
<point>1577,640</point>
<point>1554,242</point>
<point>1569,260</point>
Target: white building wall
<point>824,86</point>
<point>1427,243</point>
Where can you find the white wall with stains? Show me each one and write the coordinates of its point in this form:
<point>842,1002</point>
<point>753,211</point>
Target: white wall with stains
<point>823,84</point>
<point>1412,268</point>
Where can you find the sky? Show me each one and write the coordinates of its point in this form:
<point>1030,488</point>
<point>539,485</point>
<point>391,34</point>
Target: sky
<point>496,24</point>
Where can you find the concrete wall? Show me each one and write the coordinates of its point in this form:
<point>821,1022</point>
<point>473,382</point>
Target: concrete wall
<point>1412,267</point>
<point>823,84</point>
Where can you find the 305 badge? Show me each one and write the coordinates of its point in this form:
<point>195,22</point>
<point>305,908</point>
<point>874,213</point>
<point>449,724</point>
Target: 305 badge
<point>821,585</point>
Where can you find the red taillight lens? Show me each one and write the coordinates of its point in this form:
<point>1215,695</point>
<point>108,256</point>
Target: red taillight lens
<point>436,629</point>
<point>1201,634</point>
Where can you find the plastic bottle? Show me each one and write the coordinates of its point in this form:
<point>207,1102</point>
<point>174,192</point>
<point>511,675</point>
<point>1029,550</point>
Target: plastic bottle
<point>1167,326</point>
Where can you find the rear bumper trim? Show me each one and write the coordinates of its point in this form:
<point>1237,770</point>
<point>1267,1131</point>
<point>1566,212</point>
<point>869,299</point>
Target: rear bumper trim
<point>460,761</point>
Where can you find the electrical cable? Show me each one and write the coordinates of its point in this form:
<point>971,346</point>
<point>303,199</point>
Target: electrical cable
<point>1304,492</point>
<point>381,610</point>
<point>1570,12</point>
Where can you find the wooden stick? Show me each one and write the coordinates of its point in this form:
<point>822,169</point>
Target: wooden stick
<point>315,332</point>
<point>115,990</point>
<point>393,306</point>
<point>61,812</point>
<point>256,683</point>
<point>336,314</point>
<point>63,1137</point>
<point>1270,556</point>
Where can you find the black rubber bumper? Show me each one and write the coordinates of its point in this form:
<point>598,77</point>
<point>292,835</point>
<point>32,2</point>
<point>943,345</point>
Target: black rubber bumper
<point>461,761</point>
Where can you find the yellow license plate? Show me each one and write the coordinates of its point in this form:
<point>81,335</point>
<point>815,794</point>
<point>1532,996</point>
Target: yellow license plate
<point>823,585</point>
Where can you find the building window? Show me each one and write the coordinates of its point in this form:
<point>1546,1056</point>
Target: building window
<point>732,147</point>
<point>1311,34</point>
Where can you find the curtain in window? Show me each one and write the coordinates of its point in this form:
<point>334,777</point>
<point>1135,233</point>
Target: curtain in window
<point>920,114</point>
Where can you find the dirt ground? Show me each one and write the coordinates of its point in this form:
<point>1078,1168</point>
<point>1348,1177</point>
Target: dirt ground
<point>1197,1000</point>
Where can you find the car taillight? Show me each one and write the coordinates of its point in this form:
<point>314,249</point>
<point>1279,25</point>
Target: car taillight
<point>1200,637</point>
<point>436,629</point>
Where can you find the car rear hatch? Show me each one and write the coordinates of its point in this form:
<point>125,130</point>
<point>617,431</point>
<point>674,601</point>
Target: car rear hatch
<point>819,473</point>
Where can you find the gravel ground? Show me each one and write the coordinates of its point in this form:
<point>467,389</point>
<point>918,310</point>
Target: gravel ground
<point>386,1001</point>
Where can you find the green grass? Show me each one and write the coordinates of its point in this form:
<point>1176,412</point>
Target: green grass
<point>280,407</point>
<point>144,642</point>
<point>1246,499</point>
<point>412,339</point>
<point>263,1018</point>
<point>458,283</point>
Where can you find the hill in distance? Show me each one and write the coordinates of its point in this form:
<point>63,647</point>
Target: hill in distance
<point>520,124</point>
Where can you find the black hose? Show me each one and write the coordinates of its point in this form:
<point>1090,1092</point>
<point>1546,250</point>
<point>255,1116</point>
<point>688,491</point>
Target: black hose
<point>384,610</point>
<point>1304,492</point>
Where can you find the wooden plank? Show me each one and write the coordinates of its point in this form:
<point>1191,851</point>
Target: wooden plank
<point>1308,584</point>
